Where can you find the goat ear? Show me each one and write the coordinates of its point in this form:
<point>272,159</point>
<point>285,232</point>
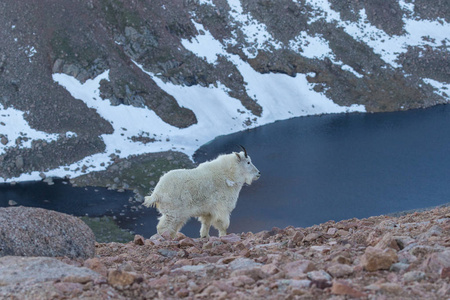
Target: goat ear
<point>238,156</point>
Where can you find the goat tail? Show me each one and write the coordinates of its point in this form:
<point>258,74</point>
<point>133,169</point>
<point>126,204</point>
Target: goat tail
<point>151,201</point>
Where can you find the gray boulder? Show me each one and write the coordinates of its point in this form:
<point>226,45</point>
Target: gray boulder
<point>27,231</point>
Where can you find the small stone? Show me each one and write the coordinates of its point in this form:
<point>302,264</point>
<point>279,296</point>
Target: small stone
<point>342,260</point>
<point>436,262</point>
<point>77,279</point>
<point>187,242</point>
<point>270,269</point>
<point>298,237</point>
<point>182,293</point>
<point>96,265</point>
<point>312,237</point>
<point>167,252</point>
<point>242,280</point>
<point>332,231</point>
<point>398,267</point>
<point>342,232</point>
<point>391,288</point>
<point>341,287</point>
<point>298,269</point>
<point>12,203</point>
<point>320,279</point>
<point>387,241</point>
<point>254,273</point>
<point>243,263</point>
<point>414,276</point>
<point>340,270</point>
<point>301,284</point>
<point>139,240</point>
<point>19,162</point>
<point>231,238</point>
<point>121,278</point>
<point>377,259</point>
<point>445,272</point>
<point>223,286</point>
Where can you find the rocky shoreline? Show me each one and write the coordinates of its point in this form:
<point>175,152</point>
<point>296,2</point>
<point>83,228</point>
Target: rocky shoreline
<point>383,257</point>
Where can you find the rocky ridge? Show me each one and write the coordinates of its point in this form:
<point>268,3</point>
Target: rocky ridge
<point>86,38</point>
<point>383,257</point>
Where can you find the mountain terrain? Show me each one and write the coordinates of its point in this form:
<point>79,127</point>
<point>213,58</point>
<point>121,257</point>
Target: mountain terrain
<point>89,88</point>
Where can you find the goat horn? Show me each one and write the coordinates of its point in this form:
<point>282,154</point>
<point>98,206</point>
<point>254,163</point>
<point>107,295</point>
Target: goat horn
<point>245,151</point>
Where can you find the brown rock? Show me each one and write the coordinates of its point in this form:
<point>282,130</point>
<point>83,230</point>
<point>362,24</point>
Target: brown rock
<point>340,270</point>
<point>298,237</point>
<point>298,269</point>
<point>445,272</point>
<point>391,288</point>
<point>139,240</point>
<point>341,287</point>
<point>187,242</point>
<point>312,237</point>
<point>377,259</point>
<point>230,238</point>
<point>121,278</point>
<point>182,293</point>
<point>254,273</point>
<point>242,280</point>
<point>223,286</point>
<point>332,231</point>
<point>387,241</point>
<point>270,269</point>
<point>341,259</point>
<point>320,279</point>
<point>436,262</point>
<point>96,265</point>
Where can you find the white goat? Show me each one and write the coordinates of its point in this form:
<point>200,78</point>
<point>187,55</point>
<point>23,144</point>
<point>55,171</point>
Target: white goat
<point>209,192</point>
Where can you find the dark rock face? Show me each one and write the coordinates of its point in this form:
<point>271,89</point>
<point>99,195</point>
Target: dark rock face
<point>83,39</point>
<point>26,231</point>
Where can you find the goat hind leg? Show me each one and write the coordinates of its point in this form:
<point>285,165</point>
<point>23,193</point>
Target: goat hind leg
<point>222,225</point>
<point>167,224</point>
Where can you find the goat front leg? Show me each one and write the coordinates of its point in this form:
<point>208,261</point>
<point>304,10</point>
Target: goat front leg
<point>206,225</point>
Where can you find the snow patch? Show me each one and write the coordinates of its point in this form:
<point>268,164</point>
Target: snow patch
<point>13,126</point>
<point>310,46</point>
<point>255,33</point>
<point>418,32</point>
<point>443,89</point>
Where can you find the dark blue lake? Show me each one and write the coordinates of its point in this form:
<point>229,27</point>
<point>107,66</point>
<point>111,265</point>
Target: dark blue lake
<point>335,167</point>
<point>314,169</point>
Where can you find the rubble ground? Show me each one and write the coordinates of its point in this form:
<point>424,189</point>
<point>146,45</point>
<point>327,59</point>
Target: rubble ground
<point>382,257</point>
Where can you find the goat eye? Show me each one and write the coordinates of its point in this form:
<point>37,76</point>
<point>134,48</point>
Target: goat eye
<point>248,163</point>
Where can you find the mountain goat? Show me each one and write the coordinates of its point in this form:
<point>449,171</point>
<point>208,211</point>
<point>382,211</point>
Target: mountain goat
<point>208,192</point>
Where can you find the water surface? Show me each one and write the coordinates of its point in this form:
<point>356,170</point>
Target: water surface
<point>314,169</point>
<point>335,167</point>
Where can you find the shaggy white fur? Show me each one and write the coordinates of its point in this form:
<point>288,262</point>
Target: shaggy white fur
<point>208,192</point>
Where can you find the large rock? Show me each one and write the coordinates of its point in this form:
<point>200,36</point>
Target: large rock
<point>46,278</point>
<point>15,270</point>
<point>26,231</point>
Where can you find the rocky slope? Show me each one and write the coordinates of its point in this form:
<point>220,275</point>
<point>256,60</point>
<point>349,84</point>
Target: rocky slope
<point>335,47</point>
<point>384,257</point>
